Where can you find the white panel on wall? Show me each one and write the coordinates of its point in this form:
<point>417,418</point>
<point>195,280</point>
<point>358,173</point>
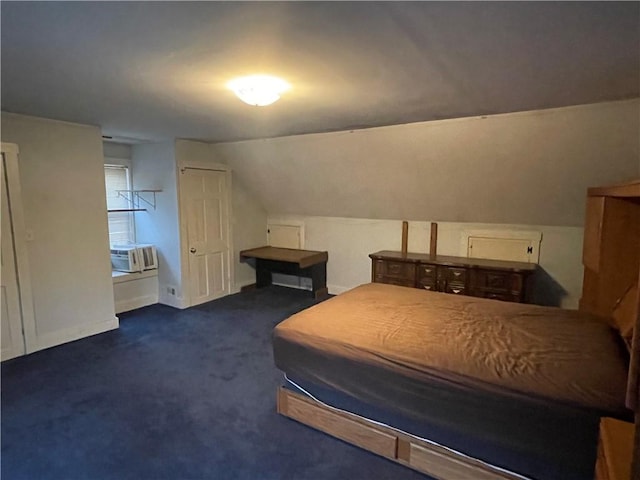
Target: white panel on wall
<point>285,236</point>
<point>500,244</point>
<point>512,249</point>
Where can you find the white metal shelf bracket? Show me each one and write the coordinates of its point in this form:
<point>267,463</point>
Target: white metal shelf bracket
<point>135,197</point>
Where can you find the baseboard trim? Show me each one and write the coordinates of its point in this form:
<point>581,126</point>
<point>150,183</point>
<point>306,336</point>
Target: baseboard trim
<point>137,302</point>
<point>175,302</point>
<point>337,290</point>
<point>67,335</point>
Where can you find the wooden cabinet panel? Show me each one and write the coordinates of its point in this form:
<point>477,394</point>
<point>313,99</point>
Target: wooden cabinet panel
<point>455,275</point>
<point>615,450</point>
<point>611,251</point>
<point>592,231</point>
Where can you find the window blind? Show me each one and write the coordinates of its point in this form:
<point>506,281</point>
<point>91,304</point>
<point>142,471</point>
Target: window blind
<point>121,229</point>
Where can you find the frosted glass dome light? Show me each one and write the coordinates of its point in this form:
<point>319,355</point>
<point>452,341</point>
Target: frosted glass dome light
<point>258,90</point>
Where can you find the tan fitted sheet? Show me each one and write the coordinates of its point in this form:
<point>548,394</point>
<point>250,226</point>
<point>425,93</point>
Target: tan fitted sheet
<point>498,347</point>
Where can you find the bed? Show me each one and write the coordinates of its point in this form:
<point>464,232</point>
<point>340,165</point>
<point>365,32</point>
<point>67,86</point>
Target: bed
<point>462,387</point>
<point>466,368</point>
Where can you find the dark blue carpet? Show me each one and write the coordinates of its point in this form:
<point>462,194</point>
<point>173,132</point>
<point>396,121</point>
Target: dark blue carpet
<point>170,395</point>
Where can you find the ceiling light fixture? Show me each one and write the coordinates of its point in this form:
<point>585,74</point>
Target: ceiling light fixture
<point>258,90</point>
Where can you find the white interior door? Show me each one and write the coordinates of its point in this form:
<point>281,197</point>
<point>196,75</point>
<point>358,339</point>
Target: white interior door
<point>207,216</point>
<point>11,335</point>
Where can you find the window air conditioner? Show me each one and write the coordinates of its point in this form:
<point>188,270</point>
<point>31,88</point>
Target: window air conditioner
<point>133,258</point>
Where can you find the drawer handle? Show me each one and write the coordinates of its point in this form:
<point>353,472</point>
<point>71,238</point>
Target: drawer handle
<point>457,274</point>
<point>427,287</point>
<point>456,290</point>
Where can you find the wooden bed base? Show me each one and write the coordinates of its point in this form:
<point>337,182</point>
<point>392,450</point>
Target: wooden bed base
<point>434,460</point>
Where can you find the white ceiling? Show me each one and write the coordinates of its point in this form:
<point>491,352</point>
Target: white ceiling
<point>157,70</point>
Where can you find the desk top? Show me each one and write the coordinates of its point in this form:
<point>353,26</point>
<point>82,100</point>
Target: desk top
<point>304,258</point>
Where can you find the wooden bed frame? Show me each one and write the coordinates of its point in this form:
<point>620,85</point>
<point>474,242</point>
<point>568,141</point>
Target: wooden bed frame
<point>612,236</point>
<point>425,457</point>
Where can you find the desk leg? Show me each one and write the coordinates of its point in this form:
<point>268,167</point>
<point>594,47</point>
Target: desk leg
<point>263,274</point>
<point>319,281</point>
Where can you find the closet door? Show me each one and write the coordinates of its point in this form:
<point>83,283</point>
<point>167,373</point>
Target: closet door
<point>18,334</point>
<point>11,336</point>
<point>206,206</point>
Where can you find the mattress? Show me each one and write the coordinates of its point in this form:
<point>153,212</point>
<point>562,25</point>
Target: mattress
<point>511,349</point>
<point>519,386</point>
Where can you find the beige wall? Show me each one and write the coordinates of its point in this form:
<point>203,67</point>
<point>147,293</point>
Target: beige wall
<point>529,168</point>
<point>62,179</point>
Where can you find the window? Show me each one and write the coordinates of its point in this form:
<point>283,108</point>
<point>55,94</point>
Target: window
<point>121,227</point>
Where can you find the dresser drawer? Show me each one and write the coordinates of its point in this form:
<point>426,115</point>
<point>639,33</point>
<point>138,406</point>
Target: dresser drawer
<point>428,283</point>
<point>498,282</point>
<point>453,274</point>
<point>455,288</point>
<point>426,271</point>
<point>394,272</point>
<point>427,276</point>
<point>398,269</point>
<point>402,282</point>
<point>499,296</point>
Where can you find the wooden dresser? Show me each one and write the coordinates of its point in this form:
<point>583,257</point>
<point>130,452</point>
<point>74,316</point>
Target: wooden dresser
<point>456,275</point>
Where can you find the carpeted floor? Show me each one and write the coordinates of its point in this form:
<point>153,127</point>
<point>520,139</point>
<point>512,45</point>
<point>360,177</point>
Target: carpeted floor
<point>170,395</point>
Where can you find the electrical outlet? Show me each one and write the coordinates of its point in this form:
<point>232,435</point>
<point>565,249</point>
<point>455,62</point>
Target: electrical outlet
<point>171,290</point>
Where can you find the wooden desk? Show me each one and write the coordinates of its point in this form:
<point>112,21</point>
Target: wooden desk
<point>290,261</point>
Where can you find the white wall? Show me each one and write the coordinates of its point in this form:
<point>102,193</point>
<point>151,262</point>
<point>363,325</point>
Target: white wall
<point>528,168</point>
<point>62,179</point>
<point>249,230</point>
<point>117,150</point>
<point>154,167</point>
<point>135,290</point>
<point>349,242</point>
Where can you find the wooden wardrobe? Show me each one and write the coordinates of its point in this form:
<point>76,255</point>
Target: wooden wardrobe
<point>611,259</point>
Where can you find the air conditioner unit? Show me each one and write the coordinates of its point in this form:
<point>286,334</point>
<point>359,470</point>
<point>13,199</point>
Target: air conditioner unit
<point>133,258</point>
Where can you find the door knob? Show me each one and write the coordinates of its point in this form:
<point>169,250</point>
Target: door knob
<point>192,250</point>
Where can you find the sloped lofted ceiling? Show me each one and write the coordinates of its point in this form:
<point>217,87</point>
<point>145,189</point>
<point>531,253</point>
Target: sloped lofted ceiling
<point>157,70</point>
